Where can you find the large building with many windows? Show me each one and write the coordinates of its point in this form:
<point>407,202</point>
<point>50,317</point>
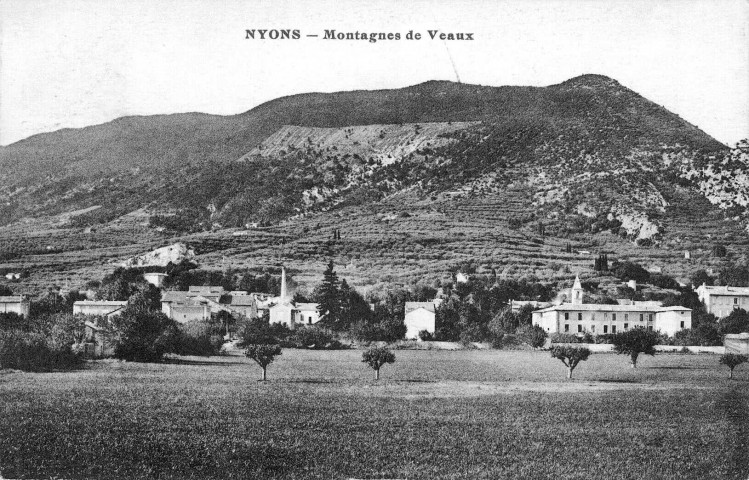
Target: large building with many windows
<point>577,317</point>
<point>721,301</point>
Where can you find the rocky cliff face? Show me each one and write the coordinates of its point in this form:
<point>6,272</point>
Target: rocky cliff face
<point>161,257</point>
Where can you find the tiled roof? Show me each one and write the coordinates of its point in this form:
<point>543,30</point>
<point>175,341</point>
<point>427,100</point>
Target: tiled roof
<point>12,299</point>
<point>411,306</point>
<point>237,300</point>
<point>101,303</point>
<point>206,289</point>
<point>175,296</point>
<point>725,290</point>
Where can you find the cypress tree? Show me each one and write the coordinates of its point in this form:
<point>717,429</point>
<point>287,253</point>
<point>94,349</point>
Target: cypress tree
<point>329,307</point>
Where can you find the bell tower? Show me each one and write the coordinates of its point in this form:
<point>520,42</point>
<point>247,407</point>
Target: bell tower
<point>284,294</point>
<point>577,292</point>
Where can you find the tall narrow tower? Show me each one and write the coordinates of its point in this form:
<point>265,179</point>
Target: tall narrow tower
<point>284,295</point>
<point>577,292</point>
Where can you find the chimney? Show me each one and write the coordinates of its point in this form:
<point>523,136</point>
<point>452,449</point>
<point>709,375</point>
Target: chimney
<point>283,284</point>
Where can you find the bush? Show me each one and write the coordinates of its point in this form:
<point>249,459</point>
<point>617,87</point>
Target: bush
<point>534,336</point>
<point>704,335</point>
<point>385,331</point>
<point>12,321</point>
<point>564,338</point>
<point>736,322</point>
<point>197,338</point>
<point>259,331</point>
<point>426,336</point>
<point>630,271</point>
<point>314,338</point>
<point>606,338</point>
<point>33,352</point>
<point>143,335</point>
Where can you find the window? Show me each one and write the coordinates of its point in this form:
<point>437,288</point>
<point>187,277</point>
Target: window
<point>650,318</point>
<point>650,327</point>
<point>642,317</point>
<point>613,328</point>
<point>626,325</point>
<point>580,328</point>
<point>566,315</point>
<point>613,317</point>
<point>593,328</point>
<point>566,327</point>
<point>605,329</point>
<point>735,301</point>
<point>682,324</point>
<point>626,317</point>
<point>310,320</point>
<point>579,316</point>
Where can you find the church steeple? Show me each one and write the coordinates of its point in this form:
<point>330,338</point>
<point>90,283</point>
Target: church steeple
<point>284,294</point>
<point>577,291</point>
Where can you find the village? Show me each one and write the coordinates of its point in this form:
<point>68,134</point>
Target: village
<point>434,316</point>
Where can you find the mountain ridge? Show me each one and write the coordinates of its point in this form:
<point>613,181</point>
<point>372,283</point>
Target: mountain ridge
<point>586,160</point>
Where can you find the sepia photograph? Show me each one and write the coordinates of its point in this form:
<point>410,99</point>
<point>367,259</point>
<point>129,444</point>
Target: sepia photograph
<point>437,239</point>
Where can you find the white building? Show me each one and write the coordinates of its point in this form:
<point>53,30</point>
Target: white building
<point>307,313</point>
<point>155,278</point>
<point>288,312</point>
<point>578,317</point>
<point>19,304</point>
<point>284,312</point>
<point>420,316</point>
<point>721,301</point>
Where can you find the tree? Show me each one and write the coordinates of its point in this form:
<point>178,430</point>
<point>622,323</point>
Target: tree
<point>447,319</point>
<point>732,360</point>
<point>353,307</point>
<point>630,271</point>
<point>736,322</point>
<point>263,355</point>
<point>376,358</point>
<point>533,335</point>
<point>329,298</point>
<point>634,342</point>
<point>701,276</point>
<point>260,331</point>
<point>570,356</point>
<point>142,335</point>
<point>601,263</point>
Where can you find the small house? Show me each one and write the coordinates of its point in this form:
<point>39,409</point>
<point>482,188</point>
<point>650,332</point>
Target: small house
<point>19,304</point>
<point>420,316</point>
<point>155,278</point>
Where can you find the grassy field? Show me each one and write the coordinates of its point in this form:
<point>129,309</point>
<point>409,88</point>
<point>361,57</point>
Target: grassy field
<point>434,414</point>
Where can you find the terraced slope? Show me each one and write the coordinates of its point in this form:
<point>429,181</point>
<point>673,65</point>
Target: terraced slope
<point>420,181</point>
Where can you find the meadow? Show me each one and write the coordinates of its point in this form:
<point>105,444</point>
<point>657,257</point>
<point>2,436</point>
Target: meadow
<point>433,414</point>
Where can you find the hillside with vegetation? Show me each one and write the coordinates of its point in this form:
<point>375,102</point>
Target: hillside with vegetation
<point>395,185</point>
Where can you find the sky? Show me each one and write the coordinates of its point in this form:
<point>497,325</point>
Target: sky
<point>73,63</point>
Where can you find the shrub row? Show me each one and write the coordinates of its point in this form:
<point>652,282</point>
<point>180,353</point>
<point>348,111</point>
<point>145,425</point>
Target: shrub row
<point>35,352</point>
